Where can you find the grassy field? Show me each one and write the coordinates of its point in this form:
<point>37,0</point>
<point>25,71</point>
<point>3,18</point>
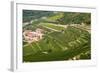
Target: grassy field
<point>52,26</point>
<point>59,46</point>
<point>62,40</point>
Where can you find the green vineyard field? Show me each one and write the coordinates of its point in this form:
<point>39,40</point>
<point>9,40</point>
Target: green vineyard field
<point>59,46</point>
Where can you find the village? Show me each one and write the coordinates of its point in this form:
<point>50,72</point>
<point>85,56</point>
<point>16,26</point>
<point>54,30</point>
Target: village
<point>33,36</point>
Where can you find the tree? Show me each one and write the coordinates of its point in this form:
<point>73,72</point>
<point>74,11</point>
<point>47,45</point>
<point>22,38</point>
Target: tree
<point>75,18</point>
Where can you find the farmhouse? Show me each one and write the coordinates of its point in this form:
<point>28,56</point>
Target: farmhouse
<point>33,36</point>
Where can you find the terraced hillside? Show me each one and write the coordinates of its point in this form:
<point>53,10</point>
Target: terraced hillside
<point>61,40</point>
<point>63,45</point>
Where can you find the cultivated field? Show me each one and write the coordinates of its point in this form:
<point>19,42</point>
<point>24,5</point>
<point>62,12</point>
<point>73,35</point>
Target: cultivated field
<point>60,39</point>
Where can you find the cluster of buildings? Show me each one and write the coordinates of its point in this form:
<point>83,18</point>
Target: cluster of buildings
<point>33,36</point>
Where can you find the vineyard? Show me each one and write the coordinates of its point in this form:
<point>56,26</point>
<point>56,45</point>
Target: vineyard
<point>59,42</point>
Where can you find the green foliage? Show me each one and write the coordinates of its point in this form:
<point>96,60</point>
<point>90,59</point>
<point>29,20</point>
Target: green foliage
<point>60,46</point>
<point>52,26</point>
<point>29,15</point>
<point>58,43</point>
<point>75,18</point>
<point>55,17</point>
